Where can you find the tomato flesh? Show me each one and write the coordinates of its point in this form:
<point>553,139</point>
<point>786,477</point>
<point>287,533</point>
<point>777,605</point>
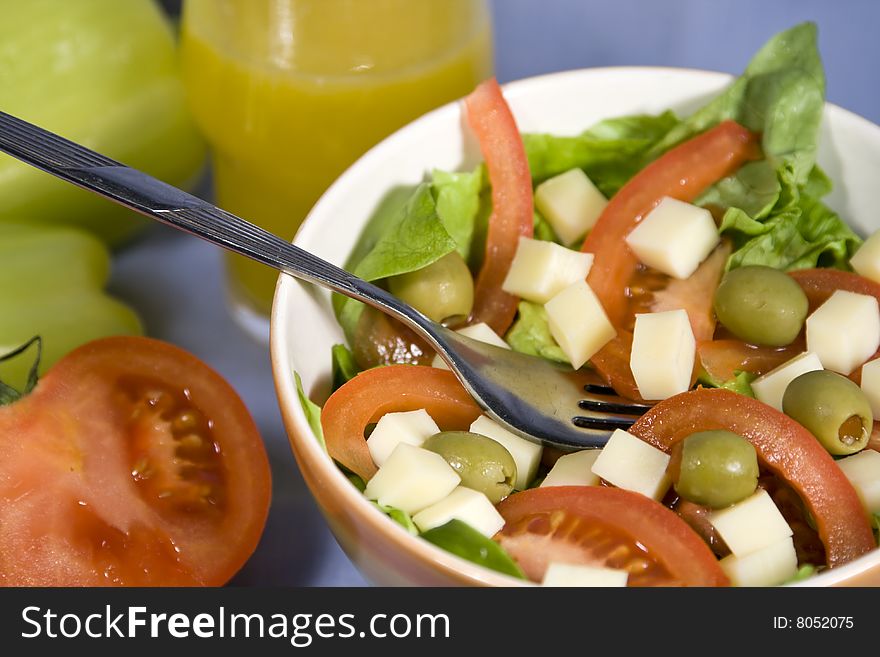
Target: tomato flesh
<point>131,463</point>
<point>604,526</point>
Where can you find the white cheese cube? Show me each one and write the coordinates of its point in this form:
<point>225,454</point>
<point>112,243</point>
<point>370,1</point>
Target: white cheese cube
<point>770,387</point>
<point>481,332</point>
<point>674,237</point>
<point>629,462</point>
<point>769,566</point>
<point>871,385</point>
<point>541,269</point>
<point>866,260</point>
<point>465,504</point>
<point>578,323</point>
<point>566,574</point>
<point>573,470</point>
<point>412,479</point>
<point>844,331</point>
<point>413,427</point>
<point>525,453</point>
<point>571,203</point>
<point>750,525</point>
<point>863,472</point>
<point>663,352</point>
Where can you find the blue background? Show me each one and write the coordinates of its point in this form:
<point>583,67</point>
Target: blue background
<point>176,282</point>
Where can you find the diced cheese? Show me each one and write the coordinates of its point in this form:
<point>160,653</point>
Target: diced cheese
<point>412,479</point>
<point>573,470</point>
<point>541,269</point>
<point>629,462</point>
<point>526,454</point>
<point>566,574</point>
<point>863,472</point>
<point>578,323</point>
<point>771,565</point>
<point>413,427</point>
<point>844,331</point>
<point>770,387</point>
<point>871,385</point>
<point>750,525</point>
<point>866,260</point>
<point>465,504</point>
<point>481,332</point>
<point>674,237</point>
<point>663,352</point>
<point>571,203</point>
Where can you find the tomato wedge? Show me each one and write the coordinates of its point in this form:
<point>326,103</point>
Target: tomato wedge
<point>722,359</point>
<point>819,284</point>
<point>131,463</point>
<point>491,120</point>
<point>682,173</point>
<point>392,389</point>
<point>784,447</point>
<point>603,526</point>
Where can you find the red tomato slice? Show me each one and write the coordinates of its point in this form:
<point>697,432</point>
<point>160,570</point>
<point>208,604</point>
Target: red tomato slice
<point>131,463</point>
<point>682,173</point>
<point>492,122</point>
<point>784,447</point>
<point>392,389</point>
<point>603,526</point>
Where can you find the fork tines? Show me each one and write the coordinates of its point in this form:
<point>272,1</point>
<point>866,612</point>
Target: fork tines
<point>613,412</point>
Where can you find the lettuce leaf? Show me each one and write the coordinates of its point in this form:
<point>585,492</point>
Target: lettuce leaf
<point>741,383</point>
<point>466,542</point>
<point>530,334</point>
<point>610,153</point>
<point>412,228</point>
<point>312,411</point>
<point>343,366</point>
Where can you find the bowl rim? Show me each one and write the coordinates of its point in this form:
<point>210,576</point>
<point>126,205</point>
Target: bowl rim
<point>303,442</point>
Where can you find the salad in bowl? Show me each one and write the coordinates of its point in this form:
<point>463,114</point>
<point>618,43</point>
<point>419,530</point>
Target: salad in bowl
<point>675,231</point>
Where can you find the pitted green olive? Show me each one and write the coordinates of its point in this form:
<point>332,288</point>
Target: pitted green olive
<point>482,463</point>
<point>717,469</point>
<point>832,408</point>
<point>442,290</point>
<point>761,305</point>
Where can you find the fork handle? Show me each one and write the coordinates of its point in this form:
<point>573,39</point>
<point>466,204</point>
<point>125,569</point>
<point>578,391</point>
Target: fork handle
<point>152,197</point>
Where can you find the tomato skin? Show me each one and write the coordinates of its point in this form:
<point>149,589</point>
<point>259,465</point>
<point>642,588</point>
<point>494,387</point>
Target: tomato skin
<point>666,538</point>
<point>73,512</point>
<point>491,120</point>
<point>784,447</point>
<point>819,284</point>
<point>392,389</point>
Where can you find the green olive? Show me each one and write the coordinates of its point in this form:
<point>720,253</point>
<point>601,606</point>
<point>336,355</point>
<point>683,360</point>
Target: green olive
<point>442,290</point>
<point>761,305</point>
<point>717,469</point>
<point>832,408</point>
<point>482,463</point>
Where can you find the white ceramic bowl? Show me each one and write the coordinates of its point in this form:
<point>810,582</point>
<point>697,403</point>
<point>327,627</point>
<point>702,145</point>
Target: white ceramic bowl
<point>303,327</point>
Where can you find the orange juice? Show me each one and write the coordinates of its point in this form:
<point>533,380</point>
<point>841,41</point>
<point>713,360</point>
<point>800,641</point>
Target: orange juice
<point>291,92</point>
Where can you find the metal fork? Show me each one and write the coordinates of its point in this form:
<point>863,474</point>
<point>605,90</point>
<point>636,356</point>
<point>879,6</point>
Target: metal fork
<point>528,395</point>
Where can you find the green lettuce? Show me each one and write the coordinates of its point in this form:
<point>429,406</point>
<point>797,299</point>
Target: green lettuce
<point>530,334</point>
<point>466,542</point>
<point>741,383</point>
<point>610,153</point>
<point>411,229</point>
<point>312,411</point>
<point>343,367</point>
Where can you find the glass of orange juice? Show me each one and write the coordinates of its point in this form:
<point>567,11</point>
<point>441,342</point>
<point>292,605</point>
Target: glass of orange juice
<point>291,92</point>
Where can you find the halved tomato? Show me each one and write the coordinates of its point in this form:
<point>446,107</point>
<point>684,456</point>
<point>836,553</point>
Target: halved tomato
<point>131,463</point>
<point>603,526</point>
